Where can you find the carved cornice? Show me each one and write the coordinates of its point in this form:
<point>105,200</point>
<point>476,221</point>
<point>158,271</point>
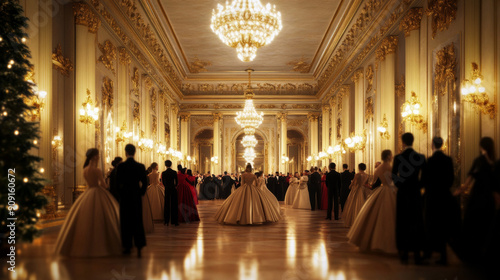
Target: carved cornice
<point>239,88</point>
<point>185,116</point>
<point>85,16</point>
<point>281,116</point>
<point>124,56</point>
<point>295,122</point>
<point>107,93</point>
<point>411,21</point>
<point>193,106</point>
<point>442,13</point>
<point>445,70</point>
<point>108,56</point>
<point>357,75</point>
<point>217,116</point>
<point>62,64</point>
<point>313,117</point>
<point>204,122</point>
<point>369,78</point>
<point>266,106</point>
<point>306,106</point>
<point>388,46</point>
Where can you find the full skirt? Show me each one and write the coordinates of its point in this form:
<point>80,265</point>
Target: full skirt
<point>353,205</point>
<point>92,226</point>
<point>290,194</point>
<point>156,196</point>
<point>249,205</point>
<point>188,212</point>
<point>147,214</point>
<point>302,199</point>
<point>375,227</point>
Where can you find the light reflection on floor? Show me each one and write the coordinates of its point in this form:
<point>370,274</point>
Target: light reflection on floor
<point>301,246</point>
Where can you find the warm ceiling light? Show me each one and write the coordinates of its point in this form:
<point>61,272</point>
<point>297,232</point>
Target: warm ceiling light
<point>246,25</point>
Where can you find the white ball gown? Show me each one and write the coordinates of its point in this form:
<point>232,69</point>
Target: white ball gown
<point>375,227</point>
<point>356,199</point>
<point>302,200</point>
<point>92,226</point>
<point>248,205</point>
<point>293,187</point>
<point>156,196</point>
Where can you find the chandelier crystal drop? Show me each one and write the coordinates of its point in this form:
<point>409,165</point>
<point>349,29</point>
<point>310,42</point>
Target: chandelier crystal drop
<point>249,141</point>
<point>246,25</point>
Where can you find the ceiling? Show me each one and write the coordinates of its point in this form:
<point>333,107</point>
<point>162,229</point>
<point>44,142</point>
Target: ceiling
<point>307,27</point>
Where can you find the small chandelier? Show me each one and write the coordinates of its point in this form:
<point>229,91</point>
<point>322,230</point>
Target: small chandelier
<point>249,155</point>
<point>249,119</point>
<point>474,92</point>
<point>249,141</point>
<point>246,25</point>
<point>383,129</point>
<point>411,113</point>
<point>89,113</point>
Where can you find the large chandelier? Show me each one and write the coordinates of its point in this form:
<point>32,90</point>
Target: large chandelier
<point>246,25</point>
<point>249,119</point>
<point>249,155</point>
<point>411,112</point>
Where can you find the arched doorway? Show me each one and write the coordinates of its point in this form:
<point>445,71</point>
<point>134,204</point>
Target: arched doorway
<point>259,162</point>
<point>203,150</point>
<point>296,150</point>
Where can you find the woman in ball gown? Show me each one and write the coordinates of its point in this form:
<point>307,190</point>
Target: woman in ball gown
<point>292,189</point>
<point>324,191</point>
<point>261,183</point>
<point>92,226</point>
<point>156,193</point>
<point>192,181</point>
<point>302,200</point>
<point>248,204</point>
<point>188,212</point>
<point>375,227</point>
<point>357,196</point>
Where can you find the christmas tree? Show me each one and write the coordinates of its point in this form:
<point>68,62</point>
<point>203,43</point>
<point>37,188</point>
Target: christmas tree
<point>20,178</point>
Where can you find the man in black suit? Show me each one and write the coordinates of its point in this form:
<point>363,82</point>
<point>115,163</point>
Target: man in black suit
<point>409,221</point>
<point>333,183</point>
<point>441,213</point>
<point>171,209</point>
<point>278,187</point>
<point>346,177</point>
<point>132,184</point>
<point>315,189</point>
<point>271,184</point>
<point>227,183</point>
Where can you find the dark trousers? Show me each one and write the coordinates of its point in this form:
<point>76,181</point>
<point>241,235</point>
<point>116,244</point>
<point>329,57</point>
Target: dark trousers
<point>171,209</point>
<point>131,225</point>
<point>343,197</point>
<point>333,203</point>
<point>315,193</point>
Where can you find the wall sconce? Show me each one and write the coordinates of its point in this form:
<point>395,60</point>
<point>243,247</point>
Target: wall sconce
<point>356,142</point>
<point>89,113</point>
<point>37,101</point>
<point>145,144</point>
<point>285,159</point>
<point>383,129</point>
<point>410,111</point>
<point>474,92</point>
<point>122,134</point>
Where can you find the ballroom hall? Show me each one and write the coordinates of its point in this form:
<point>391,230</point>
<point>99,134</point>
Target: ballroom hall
<point>249,139</point>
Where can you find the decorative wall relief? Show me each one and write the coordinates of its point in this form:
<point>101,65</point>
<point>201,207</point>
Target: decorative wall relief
<point>148,83</point>
<point>155,126</point>
<point>204,122</point>
<point>442,13</point>
<point>124,56</point>
<point>369,79</point>
<point>400,88</point>
<point>135,82</point>
<point>339,128</point>
<point>107,93</point>
<point>445,71</point>
<point>154,99</point>
<point>411,21</point>
<point>388,46</point>
<point>300,65</point>
<point>198,65</point>
<point>368,109</point>
<point>108,55</point>
<point>62,64</point>
<point>85,16</point>
<point>136,113</point>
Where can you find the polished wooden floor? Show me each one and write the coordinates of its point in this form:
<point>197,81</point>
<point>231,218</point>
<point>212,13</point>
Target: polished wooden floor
<point>303,245</point>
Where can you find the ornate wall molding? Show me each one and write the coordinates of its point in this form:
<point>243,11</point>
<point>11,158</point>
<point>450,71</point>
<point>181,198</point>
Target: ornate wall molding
<point>217,116</point>
<point>136,113</point>
<point>239,88</point>
<point>357,75</point>
<point>184,116</point>
<point>85,16</point>
<point>154,99</point>
<point>62,64</point>
<point>368,109</point>
<point>442,13</point>
<point>124,56</point>
<point>204,122</point>
<point>135,82</point>
<point>108,55</point>
<point>300,65</point>
<point>198,66</point>
<point>265,106</point>
<point>155,126</point>
<point>369,79</point>
<point>281,116</point>
<point>306,106</point>
<point>326,108</point>
<point>175,108</point>
<point>313,117</point>
<point>148,83</point>
<point>445,74</point>
<point>295,122</point>
<point>388,46</point>
<point>107,93</point>
<point>401,88</point>
<point>411,21</point>
<point>193,106</point>
<point>339,129</point>
<point>166,110</point>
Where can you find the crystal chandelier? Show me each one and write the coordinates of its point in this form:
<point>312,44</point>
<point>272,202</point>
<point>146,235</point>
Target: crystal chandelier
<point>249,119</point>
<point>249,141</point>
<point>411,112</point>
<point>246,25</point>
<point>249,155</point>
<point>356,142</point>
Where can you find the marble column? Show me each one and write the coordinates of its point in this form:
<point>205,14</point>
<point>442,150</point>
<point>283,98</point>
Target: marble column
<point>386,57</point>
<point>359,98</point>
<point>333,121</point>
<point>313,135</point>
<point>471,129</point>
<point>123,100</point>
<point>185,117</point>
<point>325,131</point>
<point>411,26</point>
<point>487,65</point>
<point>283,152</point>
<point>174,118</point>
<point>87,24</point>
<point>217,143</point>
